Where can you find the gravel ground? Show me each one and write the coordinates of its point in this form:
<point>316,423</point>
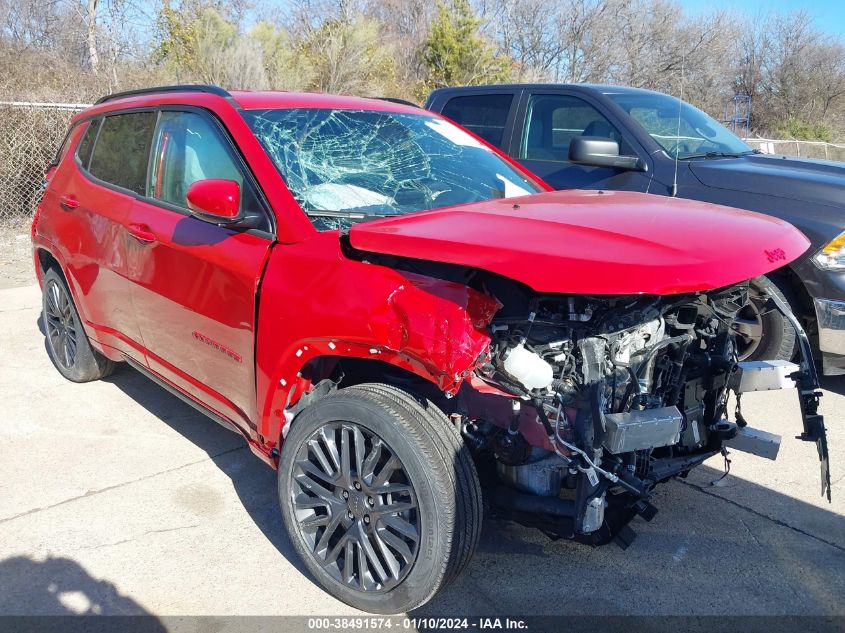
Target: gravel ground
<point>15,255</point>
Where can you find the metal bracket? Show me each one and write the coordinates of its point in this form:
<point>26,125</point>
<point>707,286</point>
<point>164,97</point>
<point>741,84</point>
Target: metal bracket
<point>809,393</point>
<point>755,442</point>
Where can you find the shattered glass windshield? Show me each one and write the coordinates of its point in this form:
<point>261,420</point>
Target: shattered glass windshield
<point>344,166</point>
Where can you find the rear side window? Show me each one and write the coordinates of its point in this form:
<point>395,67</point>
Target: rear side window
<point>86,145</point>
<point>483,115</point>
<point>64,147</point>
<point>122,150</point>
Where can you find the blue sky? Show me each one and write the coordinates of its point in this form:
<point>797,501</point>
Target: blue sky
<point>828,15</point>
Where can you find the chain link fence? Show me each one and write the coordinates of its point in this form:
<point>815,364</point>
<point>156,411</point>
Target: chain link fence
<point>804,149</point>
<point>30,135</point>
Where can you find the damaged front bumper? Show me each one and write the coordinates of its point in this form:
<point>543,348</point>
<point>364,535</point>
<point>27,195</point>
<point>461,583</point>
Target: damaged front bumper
<point>604,503</point>
<point>809,393</point>
<point>772,375</point>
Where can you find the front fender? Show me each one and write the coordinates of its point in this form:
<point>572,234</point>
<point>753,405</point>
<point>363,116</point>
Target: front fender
<point>433,328</point>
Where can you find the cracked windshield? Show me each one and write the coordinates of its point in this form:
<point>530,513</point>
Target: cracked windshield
<point>344,166</point>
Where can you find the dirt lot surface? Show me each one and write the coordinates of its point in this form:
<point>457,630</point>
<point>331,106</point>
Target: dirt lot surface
<point>16,268</point>
<point>117,498</point>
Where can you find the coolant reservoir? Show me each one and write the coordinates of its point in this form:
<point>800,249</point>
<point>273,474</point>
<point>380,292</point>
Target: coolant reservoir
<point>528,368</point>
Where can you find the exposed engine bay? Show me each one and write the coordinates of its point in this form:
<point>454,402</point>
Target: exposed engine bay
<point>585,403</point>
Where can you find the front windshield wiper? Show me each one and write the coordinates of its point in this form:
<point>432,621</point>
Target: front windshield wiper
<point>721,154</point>
<point>347,216</point>
<point>352,214</point>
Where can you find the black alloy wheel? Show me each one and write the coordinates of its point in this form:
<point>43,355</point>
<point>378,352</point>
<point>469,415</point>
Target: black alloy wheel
<point>356,507</point>
<point>65,339</point>
<point>379,496</point>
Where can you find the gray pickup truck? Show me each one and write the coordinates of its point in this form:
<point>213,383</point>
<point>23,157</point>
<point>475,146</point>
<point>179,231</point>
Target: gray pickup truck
<point>612,137</point>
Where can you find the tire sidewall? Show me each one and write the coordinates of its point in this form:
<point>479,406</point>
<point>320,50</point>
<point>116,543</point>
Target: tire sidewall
<point>778,341</point>
<point>77,371</point>
<point>428,568</point>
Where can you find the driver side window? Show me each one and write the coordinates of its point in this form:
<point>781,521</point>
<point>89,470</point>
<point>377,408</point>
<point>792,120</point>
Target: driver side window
<point>188,148</point>
<point>553,120</point>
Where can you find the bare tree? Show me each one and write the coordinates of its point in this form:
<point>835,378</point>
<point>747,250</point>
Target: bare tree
<point>828,64</point>
<point>404,26</point>
<point>527,31</point>
<point>347,58</point>
<point>93,56</point>
<point>794,74</point>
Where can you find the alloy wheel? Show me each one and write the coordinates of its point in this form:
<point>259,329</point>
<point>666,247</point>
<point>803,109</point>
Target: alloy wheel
<point>355,507</point>
<point>748,326</point>
<point>60,324</point>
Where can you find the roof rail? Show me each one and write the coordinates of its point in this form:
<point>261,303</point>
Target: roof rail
<point>399,101</point>
<point>215,90</point>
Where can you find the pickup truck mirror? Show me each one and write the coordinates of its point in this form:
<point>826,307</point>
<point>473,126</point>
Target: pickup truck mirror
<point>600,152</point>
<point>215,200</point>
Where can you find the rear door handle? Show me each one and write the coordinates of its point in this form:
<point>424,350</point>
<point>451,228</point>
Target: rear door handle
<point>69,202</point>
<point>141,232</point>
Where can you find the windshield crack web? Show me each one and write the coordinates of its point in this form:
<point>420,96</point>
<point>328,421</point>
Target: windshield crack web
<point>343,166</point>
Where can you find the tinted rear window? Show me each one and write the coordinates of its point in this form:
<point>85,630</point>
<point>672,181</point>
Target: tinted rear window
<point>483,115</point>
<point>122,150</point>
<point>83,152</point>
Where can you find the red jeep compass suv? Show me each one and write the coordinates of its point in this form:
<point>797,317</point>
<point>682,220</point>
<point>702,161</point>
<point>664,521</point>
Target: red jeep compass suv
<point>383,306</point>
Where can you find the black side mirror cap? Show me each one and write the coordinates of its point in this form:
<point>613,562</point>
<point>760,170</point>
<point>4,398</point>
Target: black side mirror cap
<point>601,152</point>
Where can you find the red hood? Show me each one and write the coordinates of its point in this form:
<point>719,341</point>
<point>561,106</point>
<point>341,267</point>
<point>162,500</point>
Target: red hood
<point>586,242</point>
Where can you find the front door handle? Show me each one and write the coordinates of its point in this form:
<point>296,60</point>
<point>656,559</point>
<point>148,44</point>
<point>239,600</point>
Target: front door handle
<point>141,232</point>
<point>69,202</point>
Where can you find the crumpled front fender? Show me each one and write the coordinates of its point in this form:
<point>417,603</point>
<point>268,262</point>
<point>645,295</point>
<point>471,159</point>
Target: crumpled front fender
<point>431,327</point>
<point>437,323</point>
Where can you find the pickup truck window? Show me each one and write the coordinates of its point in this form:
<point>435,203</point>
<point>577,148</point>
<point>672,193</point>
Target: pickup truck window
<point>484,115</point>
<point>122,150</point>
<point>679,127</point>
<point>348,165</point>
<point>553,120</point>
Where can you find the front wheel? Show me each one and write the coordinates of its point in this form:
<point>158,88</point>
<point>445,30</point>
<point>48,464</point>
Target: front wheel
<point>762,333</point>
<point>379,496</point>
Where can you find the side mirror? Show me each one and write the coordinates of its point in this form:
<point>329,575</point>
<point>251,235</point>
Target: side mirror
<point>601,152</point>
<point>215,200</point>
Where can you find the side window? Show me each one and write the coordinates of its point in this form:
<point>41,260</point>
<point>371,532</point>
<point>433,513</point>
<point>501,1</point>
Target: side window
<point>86,145</point>
<point>188,148</point>
<point>484,115</point>
<point>553,120</point>
<point>122,150</point>
<point>64,146</point>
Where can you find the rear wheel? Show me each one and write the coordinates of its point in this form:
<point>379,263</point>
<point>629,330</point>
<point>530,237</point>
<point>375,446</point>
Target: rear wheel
<point>379,496</point>
<point>67,343</point>
<point>764,334</point>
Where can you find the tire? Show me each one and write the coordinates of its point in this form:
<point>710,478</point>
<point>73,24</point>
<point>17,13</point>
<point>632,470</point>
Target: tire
<point>761,334</point>
<point>67,344</point>
<point>332,523</point>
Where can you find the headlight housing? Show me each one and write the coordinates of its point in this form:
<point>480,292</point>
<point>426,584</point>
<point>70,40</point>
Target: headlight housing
<point>832,256</point>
